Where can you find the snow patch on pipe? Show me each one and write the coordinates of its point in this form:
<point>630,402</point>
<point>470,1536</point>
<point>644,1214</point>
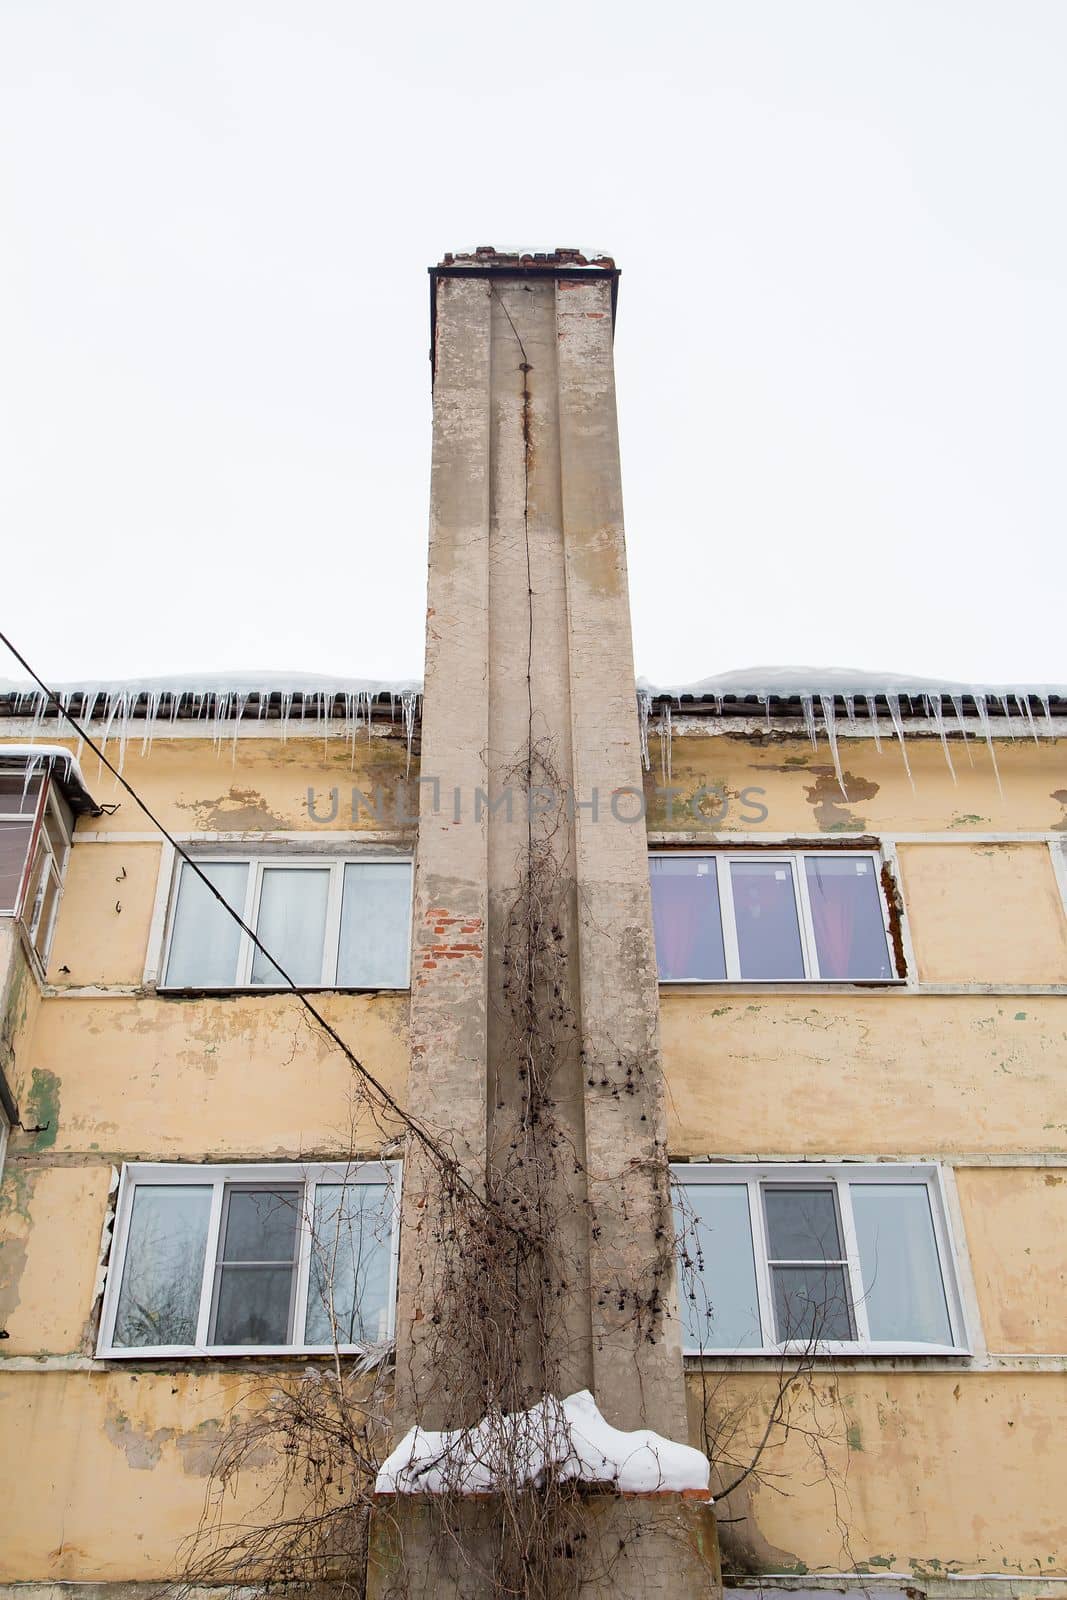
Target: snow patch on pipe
<point>556,1440</point>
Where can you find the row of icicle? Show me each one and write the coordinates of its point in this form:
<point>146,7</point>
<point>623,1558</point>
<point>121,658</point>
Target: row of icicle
<point>221,711</point>
<point>931,706</point>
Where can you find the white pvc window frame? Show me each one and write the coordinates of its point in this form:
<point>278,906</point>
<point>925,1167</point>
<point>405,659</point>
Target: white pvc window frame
<point>793,860</point>
<point>840,1177</point>
<point>249,913</point>
<point>221,1179</point>
<point>44,870</point>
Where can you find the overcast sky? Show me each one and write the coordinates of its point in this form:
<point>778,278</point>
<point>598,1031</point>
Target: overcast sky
<point>841,348</point>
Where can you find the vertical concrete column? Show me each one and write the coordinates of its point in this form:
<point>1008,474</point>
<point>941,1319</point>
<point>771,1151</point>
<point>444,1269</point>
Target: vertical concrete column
<point>637,1363</point>
<point>447,1084</point>
<point>528,645</point>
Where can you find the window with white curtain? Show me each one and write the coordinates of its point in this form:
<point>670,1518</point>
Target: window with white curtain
<point>324,922</point>
<point>846,1259</point>
<point>211,1260</point>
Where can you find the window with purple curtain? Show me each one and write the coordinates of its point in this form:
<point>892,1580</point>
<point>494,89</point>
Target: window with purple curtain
<point>765,913</point>
<point>686,917</point>
<point>846,913</point>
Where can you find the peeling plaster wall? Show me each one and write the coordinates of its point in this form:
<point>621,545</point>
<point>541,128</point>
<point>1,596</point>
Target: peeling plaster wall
<point>20,999</point>
<point>110,889</point>
<point>1016,1222</point>
<point>985,913</point>
<point>799,790</point>
<point>869,1072</point>
<point>113,1468</point>
<point>928,1471</point>
<point>113,1462</point>
<point>941,1469</point>
<point>253,785</point>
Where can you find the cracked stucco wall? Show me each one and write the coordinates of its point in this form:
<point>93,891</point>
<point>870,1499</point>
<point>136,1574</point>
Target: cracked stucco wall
<point>112,1462</point>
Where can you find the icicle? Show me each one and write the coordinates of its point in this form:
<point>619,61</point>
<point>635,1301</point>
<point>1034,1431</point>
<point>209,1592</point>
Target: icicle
<point>981,705</point>
<point>112,701</point>
<point>1023,702</point>
<point>1046,706</point>
<point>957,706</point>
<point>238,713</point>
<point>809,719</point>
<point>765,702</point>
<point>644,707</point>
<point>872,712</point>
<point>830,724</point>
<point>893,702</point>
<point>665,750</point>
<point>938,715</point>
<point>408,703</point>
<point>1005,707</point>
<point>850,709</point>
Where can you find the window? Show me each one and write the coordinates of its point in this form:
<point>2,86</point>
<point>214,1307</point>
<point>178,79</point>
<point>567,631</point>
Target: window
<point>36,825</point>
<point>225,1260</point>
<point>765,917</point>
<point>839,1259</point>
<point>329,923</point>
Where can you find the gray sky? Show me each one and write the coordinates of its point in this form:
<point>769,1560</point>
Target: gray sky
<point>841,349</point>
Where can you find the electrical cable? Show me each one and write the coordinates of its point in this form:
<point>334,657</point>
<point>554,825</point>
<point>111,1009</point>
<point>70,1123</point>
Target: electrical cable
<point>448,1163</point>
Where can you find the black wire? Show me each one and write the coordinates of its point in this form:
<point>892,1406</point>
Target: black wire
<point>425,1138</point>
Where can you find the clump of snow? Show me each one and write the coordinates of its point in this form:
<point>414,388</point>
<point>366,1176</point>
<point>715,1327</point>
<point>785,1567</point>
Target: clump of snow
<point>561,1440</point>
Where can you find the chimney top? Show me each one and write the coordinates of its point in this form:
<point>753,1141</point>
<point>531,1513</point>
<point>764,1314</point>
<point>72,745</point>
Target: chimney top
<point>487,256</point>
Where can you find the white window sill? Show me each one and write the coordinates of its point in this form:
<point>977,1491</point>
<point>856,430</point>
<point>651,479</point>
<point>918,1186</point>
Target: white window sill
<point>198,991</point>
<point>783,985</point>
<point>188,1352</point>
<point>832,1351</point>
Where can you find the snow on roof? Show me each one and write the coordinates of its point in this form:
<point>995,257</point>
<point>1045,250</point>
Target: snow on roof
<point>785,682</point>
<point>819,689</point>
<point>224,682</point>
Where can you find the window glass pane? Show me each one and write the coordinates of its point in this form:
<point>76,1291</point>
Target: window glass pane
<point>18,795</point>
<point>802,1224</point>
<point>351,1255</point>
<point>375,910</point>
<point>160,1296</point>
<point>902,1285</point>
<point>206,940</point>
<point>256,1266</point>
<point>56,837</point>
<point>292,924</point>
<point>35,887</point>
<point>847,915</point>
<point>811,1303</point>
<point>686,918</point>
<point>252,1305</point>
<point>14,843</point>
<point>44,913</point>
<point>717,1290</point>
<point>765,912</point>
<point>261,1225</point>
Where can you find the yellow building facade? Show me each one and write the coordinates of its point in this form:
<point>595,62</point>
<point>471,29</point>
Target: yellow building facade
<point>912,1455</point>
